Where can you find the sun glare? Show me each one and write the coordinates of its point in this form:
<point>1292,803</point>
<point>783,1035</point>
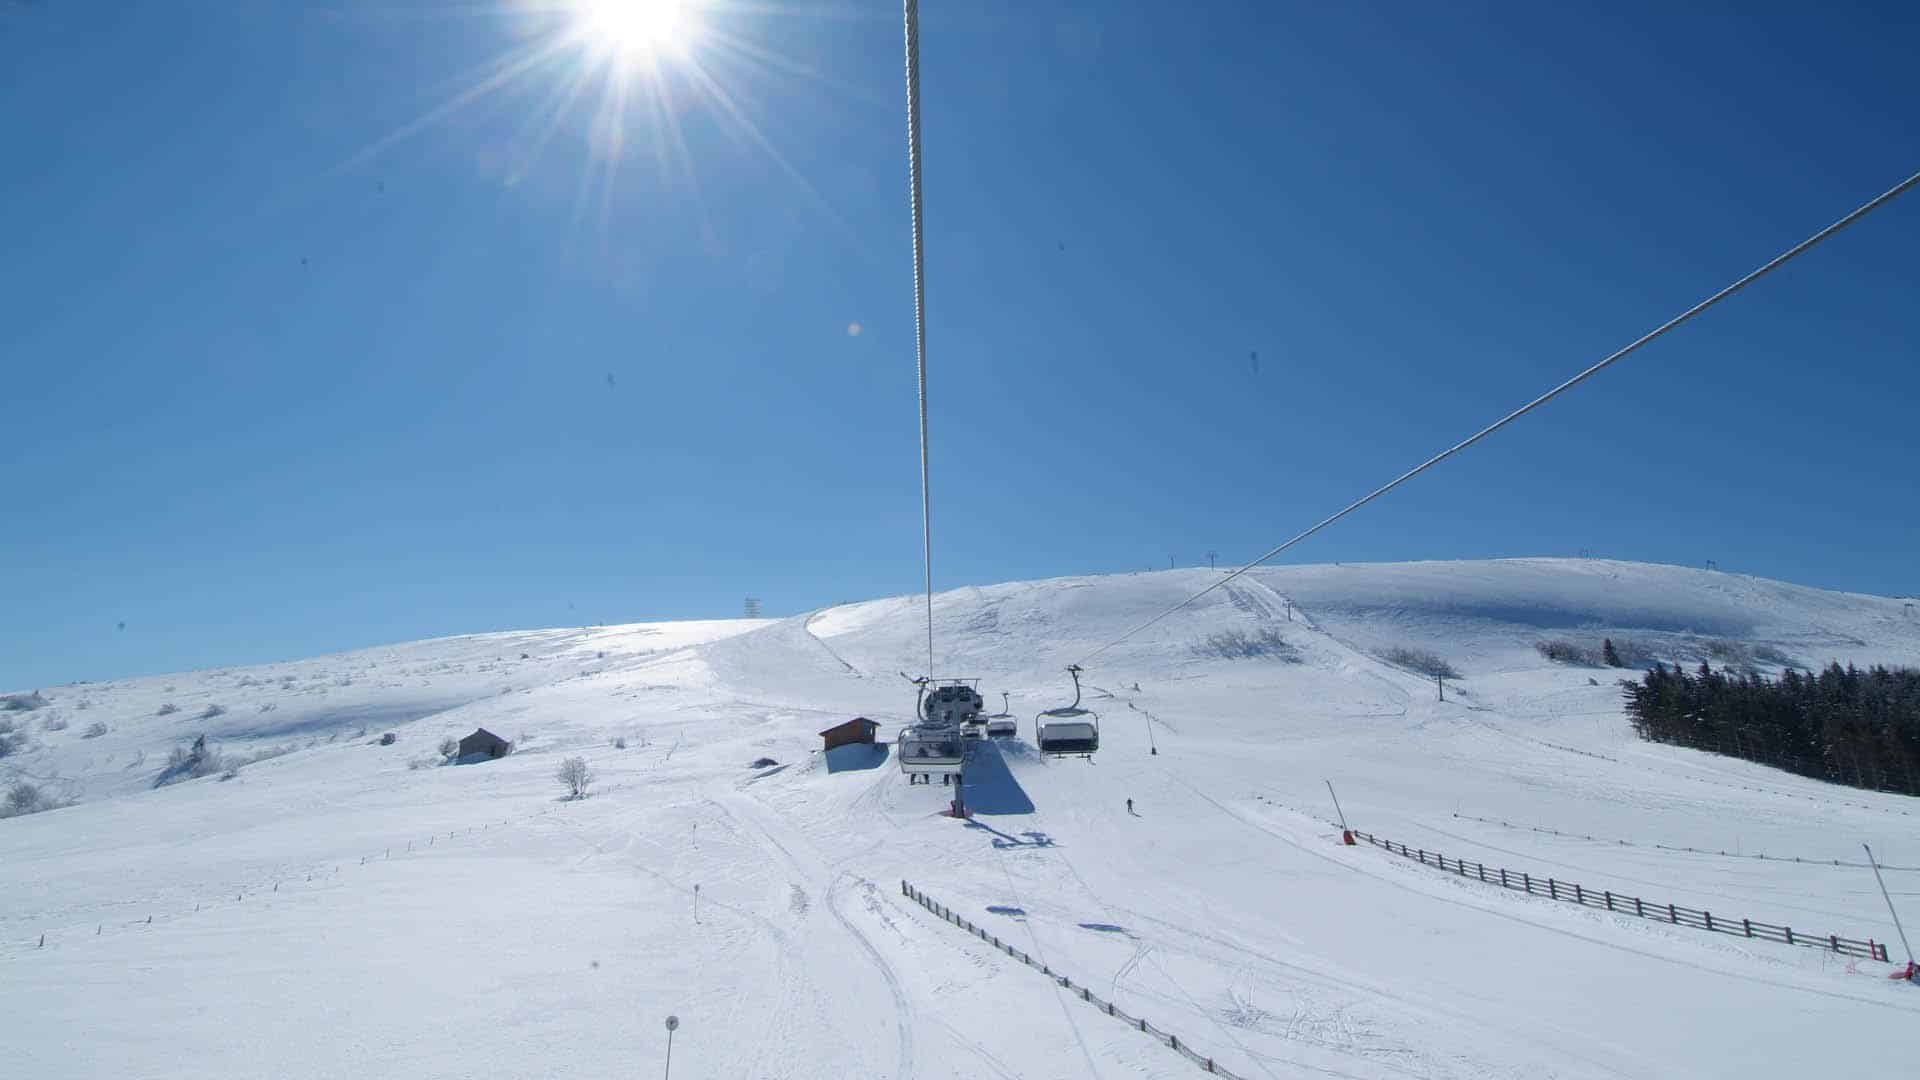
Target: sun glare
<point>635,26</point>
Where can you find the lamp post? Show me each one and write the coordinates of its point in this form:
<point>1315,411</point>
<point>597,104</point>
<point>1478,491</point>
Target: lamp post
<point>673,1025</point>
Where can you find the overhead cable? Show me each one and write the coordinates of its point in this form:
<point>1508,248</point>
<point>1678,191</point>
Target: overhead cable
<point>1771,265</point>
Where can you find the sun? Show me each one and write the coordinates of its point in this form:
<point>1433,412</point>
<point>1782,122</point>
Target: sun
<point>636,27</point>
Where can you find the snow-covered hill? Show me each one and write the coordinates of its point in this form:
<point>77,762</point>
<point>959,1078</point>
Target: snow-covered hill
<point>349,908</point>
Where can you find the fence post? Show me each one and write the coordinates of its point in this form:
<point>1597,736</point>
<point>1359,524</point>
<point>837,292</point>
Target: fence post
<point>1747,925</point>
<point>1553,888</point>
<point>1639,908</point>
<point>1503,878</point>
<point>1143,1020</point>
<point>1527,880</point>
<point>1672,915</point>
<point>1834,940</point>
<point>1578,897</point>
<point>1483,870</point>
<point>1709,916</point>
<point>1609,899</point>
<point>1789,931</point>
<point>1173,1040</point>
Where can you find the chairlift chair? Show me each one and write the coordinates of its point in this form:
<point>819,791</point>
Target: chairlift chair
<point>1002,725</point>
<point>937,745</point>
<point>1069,731</point>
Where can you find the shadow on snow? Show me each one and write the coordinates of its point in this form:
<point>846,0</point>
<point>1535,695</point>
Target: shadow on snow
<point>855,756</point>
<point>990,786</point>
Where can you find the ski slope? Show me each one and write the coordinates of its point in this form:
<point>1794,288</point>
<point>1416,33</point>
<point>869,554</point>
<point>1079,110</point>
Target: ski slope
<point>333,911</point>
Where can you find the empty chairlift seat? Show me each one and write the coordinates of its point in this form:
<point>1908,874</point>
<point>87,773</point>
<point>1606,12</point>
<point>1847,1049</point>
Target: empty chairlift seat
<point>1002,725</point>
<point>1071,730</point>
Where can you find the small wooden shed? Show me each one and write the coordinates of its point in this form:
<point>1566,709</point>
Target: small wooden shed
<point>485,743</point>
<point>857,730</point>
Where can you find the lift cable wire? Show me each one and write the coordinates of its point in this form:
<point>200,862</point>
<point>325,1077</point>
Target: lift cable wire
<point>1773,264</point>
<point>919,301</point>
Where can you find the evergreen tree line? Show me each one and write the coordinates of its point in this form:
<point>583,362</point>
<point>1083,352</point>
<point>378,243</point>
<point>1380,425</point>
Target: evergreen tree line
<point>1842,725</point>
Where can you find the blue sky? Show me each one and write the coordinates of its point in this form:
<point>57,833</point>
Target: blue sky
<point>296,358</point>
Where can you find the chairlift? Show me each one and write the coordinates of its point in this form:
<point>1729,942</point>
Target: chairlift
<point>1069,731</point>
<point>937,744</point>
<point>954,703</point>
<point>1002,725</point>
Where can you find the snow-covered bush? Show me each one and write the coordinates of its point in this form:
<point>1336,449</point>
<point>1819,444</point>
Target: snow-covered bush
<point>449,748</point>
<point>575,774</point>
<point>212,711</point>
<point>1730,652</point>
<point>191,762</point>
<point>1567,652</point>
<point>54,723</point>
<point>25,798</point>
<point>1419,660</point>
<point>23,702</point>
<point>1240,645</point>
<point>94,730</point>
<point>168,709</point>
<point>1634,652</point>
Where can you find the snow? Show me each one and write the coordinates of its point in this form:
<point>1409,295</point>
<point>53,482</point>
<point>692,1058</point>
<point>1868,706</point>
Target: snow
<point>496,929</point>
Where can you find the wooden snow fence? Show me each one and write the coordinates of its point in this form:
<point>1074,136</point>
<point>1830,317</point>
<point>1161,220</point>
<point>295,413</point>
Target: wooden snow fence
<point>1622,904</point>
<point>1171,1040</point>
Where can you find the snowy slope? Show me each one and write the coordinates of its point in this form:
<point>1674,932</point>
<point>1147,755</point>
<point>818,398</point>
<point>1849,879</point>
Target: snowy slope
<point>1224,909</point>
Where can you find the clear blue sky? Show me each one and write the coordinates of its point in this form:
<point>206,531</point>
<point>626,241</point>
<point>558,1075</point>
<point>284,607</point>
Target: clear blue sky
<point>296,359</point>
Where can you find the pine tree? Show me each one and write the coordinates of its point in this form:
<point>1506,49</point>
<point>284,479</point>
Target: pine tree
<point>1609,654</point>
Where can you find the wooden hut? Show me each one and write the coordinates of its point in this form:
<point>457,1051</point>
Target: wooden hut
<point>484,743</point>
<point>857,730</point>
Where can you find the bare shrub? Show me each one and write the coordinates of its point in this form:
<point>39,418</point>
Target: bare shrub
<point>94,730</point>
<point>449,748</point>
<point>168,709</point>
<point>191,762</point>
<point>1240,645</point>
<point>575,774</point>
<point>212,711</point>
<point>54,723</point>
<point>1419,660</point>
<point>389,739</point>
<point>1772,654</point>
<point>1634,652</point>
<point>25,798</point>
<point>1729,652</point>
<point>1567,652</point>
<point>23,702</point>
<point>620,743</point>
